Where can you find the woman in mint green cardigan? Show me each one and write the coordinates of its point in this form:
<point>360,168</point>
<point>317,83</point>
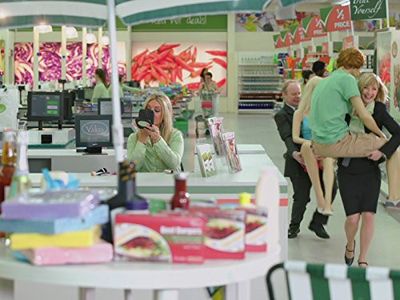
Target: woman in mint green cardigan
<point>159,147</point>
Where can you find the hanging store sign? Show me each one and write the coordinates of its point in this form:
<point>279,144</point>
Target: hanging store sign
<point>368,9</point>
<point>278,43</point>
<point>314,27</point>
<point>287,38</point>
<point>336,18</point>
<point>298,34</point>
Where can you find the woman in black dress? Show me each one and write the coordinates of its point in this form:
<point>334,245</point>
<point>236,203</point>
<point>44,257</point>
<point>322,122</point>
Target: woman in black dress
<point>360,178</point>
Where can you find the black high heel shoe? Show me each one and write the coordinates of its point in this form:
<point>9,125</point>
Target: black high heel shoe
<point>349,261</point>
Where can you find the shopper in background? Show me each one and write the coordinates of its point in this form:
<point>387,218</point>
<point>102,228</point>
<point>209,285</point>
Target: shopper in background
<point>291,92</point>
<point>100,90</point>
<point>306,74</point>
<point>122,87</point>
<point>159,147</point>
<point>208,94</point>
<point>319,68</point>
<point>203,74</point>
<point>360,178</point>
<point>302,136</point>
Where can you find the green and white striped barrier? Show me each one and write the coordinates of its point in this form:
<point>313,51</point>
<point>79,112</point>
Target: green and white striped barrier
<point>339,282</point>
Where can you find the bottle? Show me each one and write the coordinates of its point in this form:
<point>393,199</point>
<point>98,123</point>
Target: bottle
<point>181,198</point>
<point>133,200</point>
<point>20,182</point>
<point>8,160</point>
<point>245,200</point>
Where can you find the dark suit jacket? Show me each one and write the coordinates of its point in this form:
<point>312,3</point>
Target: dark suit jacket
<point>382,119</point>
<point>284,122</point>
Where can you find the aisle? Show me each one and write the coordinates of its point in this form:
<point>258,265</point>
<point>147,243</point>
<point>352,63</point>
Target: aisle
<point>261,129</point>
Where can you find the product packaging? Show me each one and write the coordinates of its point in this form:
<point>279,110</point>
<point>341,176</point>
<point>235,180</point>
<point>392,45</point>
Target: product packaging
<point>74,239</point>
<point>50,205</point>
<point>97,216</point>
<point>100,252</point>
<point>167,237</point>
<point>206,160</point>
<point>224,235</point>
<point>256,229</point>
<point>232,154</point>
<point>216,131</point>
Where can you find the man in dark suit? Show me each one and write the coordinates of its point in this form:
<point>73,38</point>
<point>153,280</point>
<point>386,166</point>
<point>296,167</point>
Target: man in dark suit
<point>291,92</point>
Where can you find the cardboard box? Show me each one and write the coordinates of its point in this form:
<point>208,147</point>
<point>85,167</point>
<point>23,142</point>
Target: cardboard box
<point>174,238</point>
<point>224,235</point>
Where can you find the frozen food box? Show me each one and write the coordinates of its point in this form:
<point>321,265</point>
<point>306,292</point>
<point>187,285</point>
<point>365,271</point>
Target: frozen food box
<point>176,238</point>
<point>100,252</point>
<point>50,205</point>
<point>224,235</point>
<point>256,229</point>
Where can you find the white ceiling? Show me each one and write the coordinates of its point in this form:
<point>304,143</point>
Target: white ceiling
<point>315,5</point>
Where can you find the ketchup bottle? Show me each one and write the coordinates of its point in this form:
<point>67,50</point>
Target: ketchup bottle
<point>181,198</point>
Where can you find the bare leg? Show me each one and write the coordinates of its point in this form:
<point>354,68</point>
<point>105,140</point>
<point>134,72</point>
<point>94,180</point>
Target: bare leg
<point>328,177</point>
<point>313,172</point>
<point>366,234</point>
<point>351,227</point>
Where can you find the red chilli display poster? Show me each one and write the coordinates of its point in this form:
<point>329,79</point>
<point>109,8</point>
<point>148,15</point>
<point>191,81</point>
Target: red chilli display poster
<point>167,63</point>
<point>336,18</point>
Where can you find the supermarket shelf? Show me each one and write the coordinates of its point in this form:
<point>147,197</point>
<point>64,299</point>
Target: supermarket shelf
<point>242,92</point>
<point>257,65</point>
<point>270,75</point>
<point>256,111</point>
<point>257,100</point>
<point>260,83</point>
<point>296,70</point>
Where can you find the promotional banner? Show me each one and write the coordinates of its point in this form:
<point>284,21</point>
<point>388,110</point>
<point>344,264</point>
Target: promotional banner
<point>278,43</point>
<point>368,9</point>
<point>156,63</point>
<point>50,61</point>
<point>189,24</point>
<point>336,18</point>
<point>314,27</point>
<point>298,34</point>
<point>286,38</point>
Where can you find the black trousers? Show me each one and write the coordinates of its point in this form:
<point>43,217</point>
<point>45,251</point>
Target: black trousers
<point>301,196</point>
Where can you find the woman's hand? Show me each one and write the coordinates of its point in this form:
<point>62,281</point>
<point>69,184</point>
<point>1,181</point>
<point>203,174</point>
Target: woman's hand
<point>154,133</point>
<point>375,155</point>
<point>143,136</point>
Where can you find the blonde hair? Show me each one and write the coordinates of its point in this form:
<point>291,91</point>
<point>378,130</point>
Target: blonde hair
<point>305,103</point>
<point>166,125</point>
<point>350,58</point>
<point>367,79</point>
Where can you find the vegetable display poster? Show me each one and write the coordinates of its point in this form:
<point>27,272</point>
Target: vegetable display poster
<point>50,61</point>
<point>165,63</point>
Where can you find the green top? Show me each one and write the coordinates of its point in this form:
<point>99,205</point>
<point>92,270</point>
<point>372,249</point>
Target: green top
<point>100,91</point>
<point>158,157</point>
<point>122,88</point>
<point>356,125</point>
<point>329,105</point>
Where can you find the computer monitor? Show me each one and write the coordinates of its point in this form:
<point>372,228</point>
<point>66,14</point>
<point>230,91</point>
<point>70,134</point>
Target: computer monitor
<point>133,83</point>
<point>93,132</point>
<point>80,94</point>
<point>105,106</point>
<point>88,93</point>
<point>45,106</point>
<point>69,102</point>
